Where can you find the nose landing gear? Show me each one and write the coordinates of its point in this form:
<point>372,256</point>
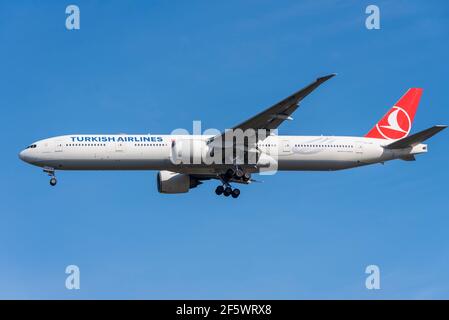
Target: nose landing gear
<point>53,181</point>
<point>51,173</point>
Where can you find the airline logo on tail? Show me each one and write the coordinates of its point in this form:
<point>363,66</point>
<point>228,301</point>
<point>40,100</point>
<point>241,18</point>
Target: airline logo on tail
<point>397,126</point>
<point>397,123</point>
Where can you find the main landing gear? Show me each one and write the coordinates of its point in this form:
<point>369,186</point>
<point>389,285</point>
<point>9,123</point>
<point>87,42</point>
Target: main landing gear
<point>227,191</point>
<point>232,174</point>
<point>51,173</point>
<point>237,174</point>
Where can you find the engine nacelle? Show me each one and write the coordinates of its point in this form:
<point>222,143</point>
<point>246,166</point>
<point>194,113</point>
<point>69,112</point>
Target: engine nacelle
<point>173,182</point>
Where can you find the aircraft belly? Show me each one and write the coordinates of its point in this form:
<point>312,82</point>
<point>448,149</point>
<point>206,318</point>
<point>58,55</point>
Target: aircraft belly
<point>105,164</point>
<point>316,165</point>
<point>318,160</point>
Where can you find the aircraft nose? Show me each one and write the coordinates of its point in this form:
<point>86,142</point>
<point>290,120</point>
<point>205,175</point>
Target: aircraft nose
<point>23,155</point>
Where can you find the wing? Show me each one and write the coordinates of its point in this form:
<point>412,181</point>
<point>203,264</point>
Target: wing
<point>274,116</point>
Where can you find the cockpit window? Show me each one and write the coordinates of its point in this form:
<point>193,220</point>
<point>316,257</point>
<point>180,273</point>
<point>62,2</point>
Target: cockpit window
<point>31,147</point>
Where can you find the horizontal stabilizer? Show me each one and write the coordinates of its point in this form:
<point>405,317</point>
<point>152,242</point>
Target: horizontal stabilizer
<point>416,138</point>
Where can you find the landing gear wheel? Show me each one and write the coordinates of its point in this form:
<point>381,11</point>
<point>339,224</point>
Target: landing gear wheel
<point>246,176</point>
<point>239,173</point>
<point>227,191</point>
<point>235,193</point>
<point>229,173</point>
<point>219,190</point>
<point>53,181</point>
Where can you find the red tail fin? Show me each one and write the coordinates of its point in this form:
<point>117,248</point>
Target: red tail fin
<point>397,122</point>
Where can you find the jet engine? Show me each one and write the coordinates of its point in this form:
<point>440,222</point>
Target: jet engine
<point>173,182</point>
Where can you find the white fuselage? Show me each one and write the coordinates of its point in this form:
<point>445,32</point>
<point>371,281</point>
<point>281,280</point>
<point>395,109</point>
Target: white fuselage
<point>156,152</point>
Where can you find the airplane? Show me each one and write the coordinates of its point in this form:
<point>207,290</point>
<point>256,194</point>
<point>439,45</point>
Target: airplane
<point>181,159</point>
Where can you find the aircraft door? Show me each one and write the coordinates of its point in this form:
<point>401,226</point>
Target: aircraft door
<point>119,146</point>
<point>358,149</point>
<point>59,146</point>
<point>285,146</point>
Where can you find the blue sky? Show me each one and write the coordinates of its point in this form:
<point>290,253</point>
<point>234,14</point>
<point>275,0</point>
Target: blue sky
<point>154,66</point>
